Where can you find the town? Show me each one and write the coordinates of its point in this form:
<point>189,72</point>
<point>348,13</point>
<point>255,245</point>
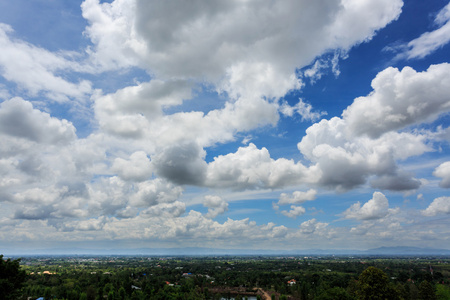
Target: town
<point>233,277</point>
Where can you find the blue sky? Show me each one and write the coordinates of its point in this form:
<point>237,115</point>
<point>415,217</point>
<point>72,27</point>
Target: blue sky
<point>238,124</point>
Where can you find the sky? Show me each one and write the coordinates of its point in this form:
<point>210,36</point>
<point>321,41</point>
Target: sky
<point>241,124</point>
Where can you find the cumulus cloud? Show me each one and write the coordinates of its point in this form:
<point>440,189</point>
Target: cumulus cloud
<point>129,111</point>
<point>251,168</point>
<point>255,44</point>
<point>182,164</point>
<point>137,168</point>
<point>51,203</point>
<point>132,169</point>
<point>216,206</point>
<point>439,206</point>
<point>297,197</point>
<point>40,212</point>
<point>401,181</point>
<point>243,60</point>
<point>39,195</point>
<point>345,152</point>
<point>312,226</point>
<point>136,113</point>
<point>94,224</point>
<point>154,192</point>
<point>294,212</point>
<point>165,210</point>
<point>364,142</point>
<point>400,99</point>
<point>18,118</point>
<point>111,29</point>
<point>443,171</point>
<point>375,208</point>
<point>344,162</point>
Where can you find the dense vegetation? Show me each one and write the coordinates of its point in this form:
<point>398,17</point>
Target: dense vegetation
<point>135,278</point>
<point>11,278</point>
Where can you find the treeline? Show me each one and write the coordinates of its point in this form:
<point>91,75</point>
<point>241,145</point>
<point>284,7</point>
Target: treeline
<point>202,278</point>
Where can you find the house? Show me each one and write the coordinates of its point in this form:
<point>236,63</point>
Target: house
<point>48,273</point>
<point>292,282</point>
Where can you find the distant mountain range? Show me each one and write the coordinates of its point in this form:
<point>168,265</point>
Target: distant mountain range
<point>407,251</point>
<point>382,251</point>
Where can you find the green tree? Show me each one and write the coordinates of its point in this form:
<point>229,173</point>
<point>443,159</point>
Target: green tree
<point>108,288</point>
<point>426,291</point>
<point>12,278</point>
<point>47,293</point>
<point>73,295</point>
<point>442,292</point>
<point>91,292</point>
<point>336,293</point>
<point>83,296</point>
<point>122,293</point>
<point>401,291</point>
<point>373,284</point>
<point>111,295</point>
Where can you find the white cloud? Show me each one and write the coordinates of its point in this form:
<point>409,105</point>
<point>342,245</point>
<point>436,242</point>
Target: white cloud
<point>137,168</point>
<point>129,112</point>
<point>112,31</point>
<point>251,168</point>
<point>107,195</point>
<point>94,224</point>
<point>34,68</point>
<point>165,210</point>
<point>400,99</point>
<point>257,45</point>
<point>294,212</point>
<point>364,142</point>
<point>439,206</point>
<point>251,63</point>
<point>346,162</point>
<point>136,112</point>
<point>316,71</point>
<point>297,197</point>
<point>40,195</point>
<point>250,53</point>
<point>443,171</point>
<point>18,118</point>
<point>430,41</point>
<point>375,208</point>
<point>303,109</point>
<point>320,66</point>
<point>194,227</point>
<point>215,205</point>
<point>51,202</point>
<point>154,192</point>
<point>312,226</point>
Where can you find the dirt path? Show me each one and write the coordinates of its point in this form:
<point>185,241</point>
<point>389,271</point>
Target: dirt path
<point>265,295</point>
